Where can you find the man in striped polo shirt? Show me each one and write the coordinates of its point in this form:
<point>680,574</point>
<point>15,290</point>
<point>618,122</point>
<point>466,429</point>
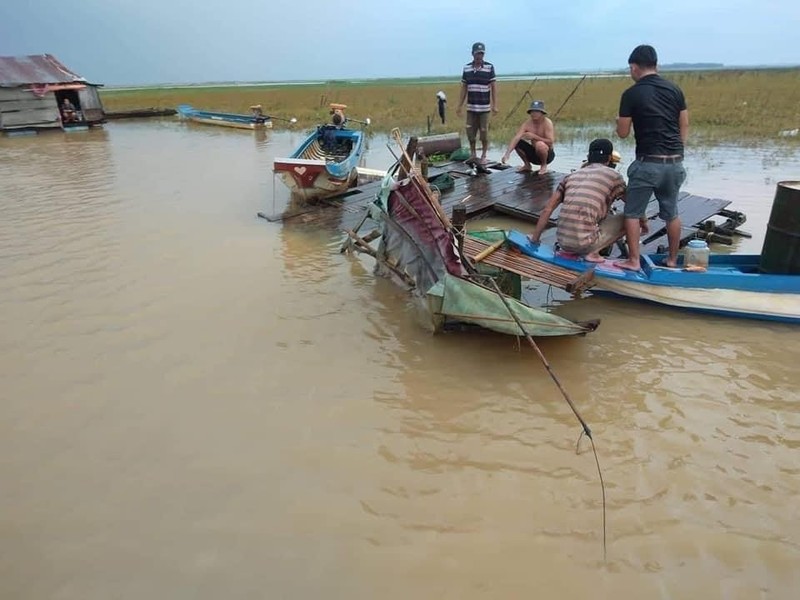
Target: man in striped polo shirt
<point>479,90</point>
<point>584,226</point>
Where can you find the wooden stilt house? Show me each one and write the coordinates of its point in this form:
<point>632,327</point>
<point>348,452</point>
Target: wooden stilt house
<point>37,92</point>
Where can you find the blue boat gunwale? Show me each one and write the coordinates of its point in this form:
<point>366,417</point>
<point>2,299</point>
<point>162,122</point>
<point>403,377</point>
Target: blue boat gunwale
<point>343,168</point>
<point>186,110</point>
<point>725,271</point>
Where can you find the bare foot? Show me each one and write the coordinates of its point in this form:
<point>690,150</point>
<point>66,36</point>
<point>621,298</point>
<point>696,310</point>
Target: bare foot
<point>483,159</point>
<point>594,257</point>
<point>628,265</point>
<point>524,169</point>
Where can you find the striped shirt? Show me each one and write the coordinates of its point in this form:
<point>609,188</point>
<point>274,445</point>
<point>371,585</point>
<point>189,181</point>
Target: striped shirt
<point>479,97</point>
<point>586,196</point>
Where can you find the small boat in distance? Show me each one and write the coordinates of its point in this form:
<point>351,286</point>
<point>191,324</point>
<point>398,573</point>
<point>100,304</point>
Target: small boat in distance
<point>326,163</point>
<point>731,284</point>
<point>255,120</point>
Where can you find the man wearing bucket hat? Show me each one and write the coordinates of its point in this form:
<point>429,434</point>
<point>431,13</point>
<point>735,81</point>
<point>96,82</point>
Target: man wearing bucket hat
<point>656,108</point>
<point>479,91</point>
<point>584,225</point>
<point>534,140</point>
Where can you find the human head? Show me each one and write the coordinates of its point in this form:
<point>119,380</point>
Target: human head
<point>600,151</point>
<point>478,50</point>
<point>536,110</point>
<point>642,60</point>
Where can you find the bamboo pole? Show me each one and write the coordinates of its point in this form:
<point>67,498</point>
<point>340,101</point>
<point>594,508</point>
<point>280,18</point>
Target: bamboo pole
<point>484,253</point>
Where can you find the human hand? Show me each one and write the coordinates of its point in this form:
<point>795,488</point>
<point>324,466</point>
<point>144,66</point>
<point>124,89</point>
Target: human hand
<point>495,110</point>
<point>458,111</point>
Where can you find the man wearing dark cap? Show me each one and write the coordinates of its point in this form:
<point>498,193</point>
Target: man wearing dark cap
<point>584,225</point>
<point>479,91</point>
<point>656,108</point>
<point>534,140</point>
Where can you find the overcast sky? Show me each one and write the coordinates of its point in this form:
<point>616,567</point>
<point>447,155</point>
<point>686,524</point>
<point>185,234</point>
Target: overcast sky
<point>185,41</point>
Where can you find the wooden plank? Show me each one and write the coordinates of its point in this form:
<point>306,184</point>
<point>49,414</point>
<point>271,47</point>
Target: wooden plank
<point>502,191</point>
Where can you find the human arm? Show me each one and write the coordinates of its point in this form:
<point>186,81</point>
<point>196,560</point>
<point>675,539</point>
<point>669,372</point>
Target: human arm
<point>514,141</point>
<point>625,115</point>
<point>549,135</point>
<point>623,126</point>
<point>493,90</point>
<point>544,216</point>
<point>683,124</point>
<point>462,97</point>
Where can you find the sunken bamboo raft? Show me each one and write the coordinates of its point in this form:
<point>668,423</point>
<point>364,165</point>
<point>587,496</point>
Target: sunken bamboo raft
<point>530,268</point>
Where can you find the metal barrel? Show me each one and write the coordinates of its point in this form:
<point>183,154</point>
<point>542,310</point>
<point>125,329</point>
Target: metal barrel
<point>444,143</point>
<point>781,251</point>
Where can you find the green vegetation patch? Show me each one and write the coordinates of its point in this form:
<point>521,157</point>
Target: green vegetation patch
<point>743,105</point>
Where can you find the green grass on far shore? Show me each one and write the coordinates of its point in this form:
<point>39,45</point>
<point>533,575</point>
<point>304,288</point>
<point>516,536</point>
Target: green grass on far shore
<point>733,106</point>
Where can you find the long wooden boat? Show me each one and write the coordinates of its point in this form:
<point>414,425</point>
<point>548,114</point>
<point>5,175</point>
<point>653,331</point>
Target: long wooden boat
<point>326,163</point>
<point>731,285</point>
<point>253,121</point>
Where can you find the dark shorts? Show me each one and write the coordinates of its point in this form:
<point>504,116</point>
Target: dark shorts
<point>648,178</point>
<point>527,149</point>
<point>476,121</point>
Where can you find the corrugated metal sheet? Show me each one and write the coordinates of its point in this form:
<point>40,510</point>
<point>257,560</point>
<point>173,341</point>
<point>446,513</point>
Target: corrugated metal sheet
<point>35,69</point>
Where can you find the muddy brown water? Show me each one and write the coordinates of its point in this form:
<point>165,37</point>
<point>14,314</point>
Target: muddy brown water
<point>197,403</point>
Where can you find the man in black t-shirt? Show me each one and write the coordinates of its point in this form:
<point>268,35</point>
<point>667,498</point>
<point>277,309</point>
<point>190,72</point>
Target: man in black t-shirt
<point>656,108</point>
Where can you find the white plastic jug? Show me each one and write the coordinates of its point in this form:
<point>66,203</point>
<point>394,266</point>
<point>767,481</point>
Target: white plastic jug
<point>696,254</point>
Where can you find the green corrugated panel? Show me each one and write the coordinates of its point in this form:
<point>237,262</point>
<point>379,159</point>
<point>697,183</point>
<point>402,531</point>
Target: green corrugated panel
<point>467,302</point>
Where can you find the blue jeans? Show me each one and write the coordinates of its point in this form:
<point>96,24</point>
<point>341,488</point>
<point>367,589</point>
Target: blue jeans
<point>648,178</point>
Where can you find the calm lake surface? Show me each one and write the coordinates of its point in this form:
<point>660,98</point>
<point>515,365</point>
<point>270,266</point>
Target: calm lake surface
<point>197,403</point>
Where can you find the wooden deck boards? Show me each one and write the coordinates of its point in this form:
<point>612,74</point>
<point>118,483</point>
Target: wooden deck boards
<point>503,191</point>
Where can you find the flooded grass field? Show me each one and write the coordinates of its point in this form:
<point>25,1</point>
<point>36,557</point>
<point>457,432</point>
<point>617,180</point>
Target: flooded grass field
<point>197,403</point>
<point>742,107</point>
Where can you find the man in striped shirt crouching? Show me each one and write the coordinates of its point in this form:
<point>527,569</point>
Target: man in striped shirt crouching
<point>584,225</point>
<point>480,92</point>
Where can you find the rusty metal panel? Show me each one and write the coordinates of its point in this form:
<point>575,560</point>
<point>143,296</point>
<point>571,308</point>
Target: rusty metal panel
<point>35,69</point>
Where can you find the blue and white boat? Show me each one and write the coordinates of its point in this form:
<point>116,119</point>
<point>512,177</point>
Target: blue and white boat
<point>326,163</point>
<point>731,284</point>
<point>254,121</point>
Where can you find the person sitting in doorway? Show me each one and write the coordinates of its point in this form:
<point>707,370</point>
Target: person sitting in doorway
<point>534,140</point>
<point>69,113</point>
<point>584,225</point>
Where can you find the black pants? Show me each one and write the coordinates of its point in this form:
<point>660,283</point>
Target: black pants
<point>529,152</point>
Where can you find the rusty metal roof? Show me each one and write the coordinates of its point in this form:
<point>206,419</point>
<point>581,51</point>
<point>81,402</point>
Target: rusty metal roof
<point>36,68</point>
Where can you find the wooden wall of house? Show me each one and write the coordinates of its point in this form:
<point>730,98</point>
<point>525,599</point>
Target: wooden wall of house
<point>21,108</point>
<point>91,106</point>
